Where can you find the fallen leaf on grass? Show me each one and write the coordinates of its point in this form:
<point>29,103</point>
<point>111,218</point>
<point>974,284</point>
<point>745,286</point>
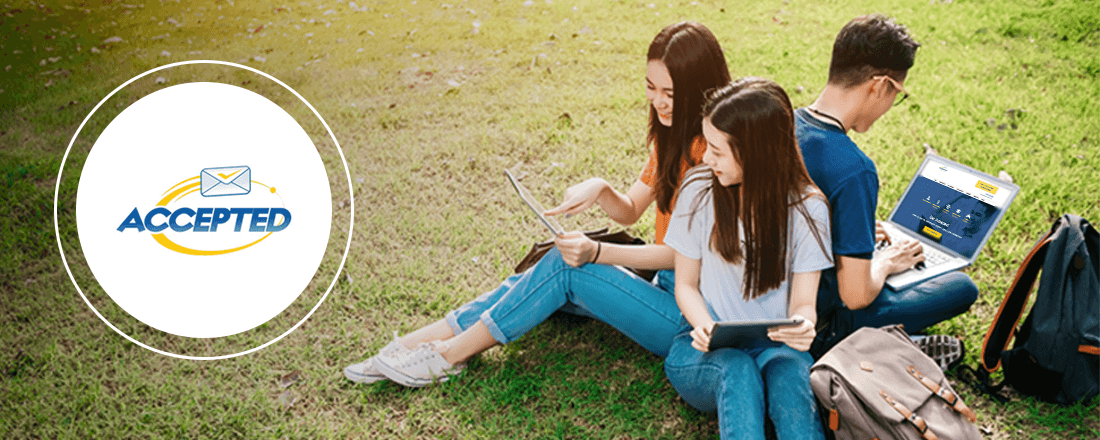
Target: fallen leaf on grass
<point>288,399</point>
<point>1003,175</point>
<point>95,50</point>
<point>165,53</point>
<point>290,378</point>
<point>113,40</point>
<point>160,80</point>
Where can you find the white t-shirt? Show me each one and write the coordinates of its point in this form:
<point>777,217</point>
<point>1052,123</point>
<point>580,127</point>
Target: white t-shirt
<point>721,282</point>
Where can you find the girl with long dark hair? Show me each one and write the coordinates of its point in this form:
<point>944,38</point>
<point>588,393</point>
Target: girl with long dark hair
<point>580,276</point>
<point>751,234</point>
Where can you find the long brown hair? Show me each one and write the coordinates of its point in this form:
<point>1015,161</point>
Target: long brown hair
<point>757,116</point>
<point>696,64</point>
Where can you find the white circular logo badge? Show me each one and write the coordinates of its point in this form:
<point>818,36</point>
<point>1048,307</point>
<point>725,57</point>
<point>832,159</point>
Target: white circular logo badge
<point>203,210</point>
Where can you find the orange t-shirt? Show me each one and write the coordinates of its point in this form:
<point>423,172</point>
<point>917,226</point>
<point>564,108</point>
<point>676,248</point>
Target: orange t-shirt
<point>649,173</point>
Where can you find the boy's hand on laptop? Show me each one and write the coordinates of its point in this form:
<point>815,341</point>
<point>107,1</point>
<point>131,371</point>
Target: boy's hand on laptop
<point>880,234</point>
<point>901,256</point>
<point>576,248</point>
<point>579,197</point>
<point>798,337</point>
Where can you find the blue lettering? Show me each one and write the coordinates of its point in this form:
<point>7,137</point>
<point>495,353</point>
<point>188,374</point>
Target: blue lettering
<point>271,226</point>
<point>259,216</point>
<point>207,219</point>
<point>132,221</point>
<point>175,225</point>
<point>202,215</point>
<point>221,215</point>
<point>149,219</point>
<point>240,213</point>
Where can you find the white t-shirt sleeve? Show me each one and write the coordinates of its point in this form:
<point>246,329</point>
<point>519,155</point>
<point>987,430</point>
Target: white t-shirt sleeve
<point>690,240</point>
<point>807,253</point>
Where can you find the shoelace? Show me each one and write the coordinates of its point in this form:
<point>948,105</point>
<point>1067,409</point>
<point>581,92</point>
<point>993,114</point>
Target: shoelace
<point>425,347</point>
<point>394,347</point>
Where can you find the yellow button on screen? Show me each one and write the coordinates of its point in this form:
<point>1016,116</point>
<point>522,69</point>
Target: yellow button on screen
<point>986,187</point>
<point>931,232</point>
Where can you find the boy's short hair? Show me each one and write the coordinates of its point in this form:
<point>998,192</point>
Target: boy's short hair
<point>868,46</point>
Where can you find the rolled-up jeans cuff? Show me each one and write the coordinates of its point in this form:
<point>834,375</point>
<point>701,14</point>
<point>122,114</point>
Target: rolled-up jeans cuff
<point>452,320</point>
<point>494,330</point>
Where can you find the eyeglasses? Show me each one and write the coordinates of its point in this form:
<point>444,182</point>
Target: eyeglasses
<point>897,85</point>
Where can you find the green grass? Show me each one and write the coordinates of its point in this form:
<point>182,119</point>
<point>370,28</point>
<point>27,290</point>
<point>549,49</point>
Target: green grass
<point>428,113</point>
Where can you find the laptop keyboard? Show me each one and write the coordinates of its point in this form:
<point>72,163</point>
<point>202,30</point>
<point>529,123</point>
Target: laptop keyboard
<point>933,257</point>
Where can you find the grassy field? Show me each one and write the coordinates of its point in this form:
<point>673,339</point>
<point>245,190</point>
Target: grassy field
<point>430,101</point>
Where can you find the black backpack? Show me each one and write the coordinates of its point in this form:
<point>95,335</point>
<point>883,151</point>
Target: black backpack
<point>1056,355</point>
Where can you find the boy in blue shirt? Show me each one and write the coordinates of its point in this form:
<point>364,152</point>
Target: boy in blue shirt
<point>871,58</point>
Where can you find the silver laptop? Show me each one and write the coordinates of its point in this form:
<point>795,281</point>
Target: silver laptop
<point>952,210</point>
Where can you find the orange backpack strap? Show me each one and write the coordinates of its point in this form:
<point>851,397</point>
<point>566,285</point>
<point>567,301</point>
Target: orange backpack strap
<point>1012,307</point>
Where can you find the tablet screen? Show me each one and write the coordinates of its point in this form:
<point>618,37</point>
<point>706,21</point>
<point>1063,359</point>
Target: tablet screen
<point>535,206</point>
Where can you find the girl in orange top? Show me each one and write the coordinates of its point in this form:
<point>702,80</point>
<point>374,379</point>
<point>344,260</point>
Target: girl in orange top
<point>580,275</point>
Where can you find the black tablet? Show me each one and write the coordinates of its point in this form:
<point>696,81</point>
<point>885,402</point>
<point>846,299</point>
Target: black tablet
<point>744,333</point>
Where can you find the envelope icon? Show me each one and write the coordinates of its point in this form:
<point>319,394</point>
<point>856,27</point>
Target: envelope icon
<point>225,181</point>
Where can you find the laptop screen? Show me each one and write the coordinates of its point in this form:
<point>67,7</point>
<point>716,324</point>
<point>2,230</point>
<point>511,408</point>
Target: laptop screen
<point>952,206</point>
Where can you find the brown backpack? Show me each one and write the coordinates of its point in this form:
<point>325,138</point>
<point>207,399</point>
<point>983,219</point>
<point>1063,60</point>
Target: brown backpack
<point>876,384</point>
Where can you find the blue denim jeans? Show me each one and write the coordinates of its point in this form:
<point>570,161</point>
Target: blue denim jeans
<point>643,311</point>
<point>744,385</point>
<point>917,308</point>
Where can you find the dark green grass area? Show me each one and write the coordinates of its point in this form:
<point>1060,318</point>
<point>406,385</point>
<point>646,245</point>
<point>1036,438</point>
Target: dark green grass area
<point>428,113</point>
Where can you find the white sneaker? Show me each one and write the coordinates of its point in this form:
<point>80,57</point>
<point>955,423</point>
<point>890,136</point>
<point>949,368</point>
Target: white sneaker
<point>420,366</point>
<point>366,371</point>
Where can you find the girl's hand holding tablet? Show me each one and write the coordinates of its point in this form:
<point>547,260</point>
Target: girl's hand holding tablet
<point>576,248</point>
<point>798,337</point>
<point>701,336</point>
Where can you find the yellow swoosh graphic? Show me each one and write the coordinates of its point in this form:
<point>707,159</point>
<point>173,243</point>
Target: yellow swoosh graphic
<point>164,241</point>
<point>185,190</point>
<point>173,194</point>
